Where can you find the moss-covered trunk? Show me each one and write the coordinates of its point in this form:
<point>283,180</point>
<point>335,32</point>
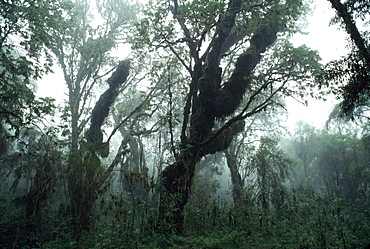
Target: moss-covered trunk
<point>177,180</point>
<point>177,177</point>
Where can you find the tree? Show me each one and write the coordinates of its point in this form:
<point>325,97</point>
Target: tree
<point>272,166</point>
<point>348,78</point>
<point>274,71</point>
<point>24,57</point>
<point>240,152</point>
<point>29,154</point>
<point>213,34</point>
<point>346,13</point>
<point>82,51</point>
<point>339,160</point>
<point>304,142</point>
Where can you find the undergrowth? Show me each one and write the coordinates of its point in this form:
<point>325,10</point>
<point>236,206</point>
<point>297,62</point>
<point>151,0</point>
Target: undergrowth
<point>317,222</point>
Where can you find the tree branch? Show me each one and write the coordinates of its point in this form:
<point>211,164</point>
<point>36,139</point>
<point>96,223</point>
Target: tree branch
<point>352,30</point>
<point>181,21</point>
<point>102,106</point>
<point>220,139</point>
<point>233,90</point>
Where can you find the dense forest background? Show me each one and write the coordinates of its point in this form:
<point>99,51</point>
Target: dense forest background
<point>172,131</point>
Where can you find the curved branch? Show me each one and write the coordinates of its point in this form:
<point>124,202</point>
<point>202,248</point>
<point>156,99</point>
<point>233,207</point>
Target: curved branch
<point>102,106</point>
<point>233,90</point>
<point>181,21</point>
<point>220,139</point>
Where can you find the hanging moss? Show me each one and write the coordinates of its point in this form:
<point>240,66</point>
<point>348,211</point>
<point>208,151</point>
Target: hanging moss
<point>209,86</point>
<point>223,140</point>
<point>230,96</point>
<point>94,135</point>
<point>264,37</point>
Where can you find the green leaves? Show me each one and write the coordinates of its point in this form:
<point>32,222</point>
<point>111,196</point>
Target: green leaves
<point>347,78</point>
<point>24,57</point>
<point>201,15</point>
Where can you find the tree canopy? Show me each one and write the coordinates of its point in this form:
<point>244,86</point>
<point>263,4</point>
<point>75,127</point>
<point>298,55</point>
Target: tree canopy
<point>348,78</point>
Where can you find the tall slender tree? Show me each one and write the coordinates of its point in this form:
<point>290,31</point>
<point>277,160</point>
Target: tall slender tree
<point>272,165</point>
<point>83,53</point>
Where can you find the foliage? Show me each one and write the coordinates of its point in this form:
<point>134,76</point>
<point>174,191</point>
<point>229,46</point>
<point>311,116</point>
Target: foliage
<point>315,222</point>
<point>348,78</point>
<point>25,33</point>
<point>222,54</point>
<point>332,161</point>
<point>272,167</point>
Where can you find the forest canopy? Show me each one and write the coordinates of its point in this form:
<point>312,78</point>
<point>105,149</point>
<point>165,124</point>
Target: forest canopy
<point>172,131</point>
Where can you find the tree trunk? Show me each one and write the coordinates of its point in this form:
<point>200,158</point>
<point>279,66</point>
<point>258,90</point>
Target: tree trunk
<point>212,102</point>
<point>352,30</point>
<point>239,196</point>
<point>177,180</point>
<point>177,177</point>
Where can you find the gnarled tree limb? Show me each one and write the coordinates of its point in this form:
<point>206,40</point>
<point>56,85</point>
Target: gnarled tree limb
<point>101,110</point>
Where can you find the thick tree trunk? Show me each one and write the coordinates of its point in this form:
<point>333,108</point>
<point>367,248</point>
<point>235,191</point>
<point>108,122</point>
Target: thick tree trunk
<point>177,180</point>
<point>177,177</point>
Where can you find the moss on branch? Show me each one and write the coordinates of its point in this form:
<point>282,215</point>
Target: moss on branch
<point>222,140</point>
<point>231,94</point>
<point>94,135</point>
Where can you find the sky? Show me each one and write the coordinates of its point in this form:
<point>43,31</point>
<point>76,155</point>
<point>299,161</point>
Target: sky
<point>330,41</point>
